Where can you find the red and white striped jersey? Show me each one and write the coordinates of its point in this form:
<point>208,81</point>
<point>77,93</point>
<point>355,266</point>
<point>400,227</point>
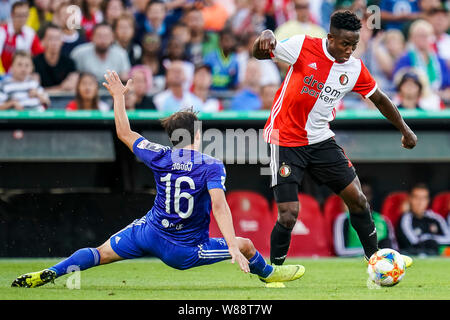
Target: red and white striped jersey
<point>313,87</point>
<point>10,42</point>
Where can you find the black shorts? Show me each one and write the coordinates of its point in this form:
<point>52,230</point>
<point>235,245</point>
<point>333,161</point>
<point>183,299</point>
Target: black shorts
<point>325,161</point>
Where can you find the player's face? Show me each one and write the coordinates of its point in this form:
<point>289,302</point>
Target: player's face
<point>342,43</point>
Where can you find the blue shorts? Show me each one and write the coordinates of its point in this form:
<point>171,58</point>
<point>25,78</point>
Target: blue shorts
<point>140,239</point>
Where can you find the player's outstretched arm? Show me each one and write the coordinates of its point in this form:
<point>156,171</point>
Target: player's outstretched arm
<point>118,91</point>
<point>222,214</point>
<point>390,111</point>
<point>264,44</point>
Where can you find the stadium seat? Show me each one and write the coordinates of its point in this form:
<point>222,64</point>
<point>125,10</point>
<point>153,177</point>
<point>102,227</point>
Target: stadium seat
<point>441,203</point>
<point>333,206</point>
<point>392,206</point>
<point>251,219</point>
<point>309,236</point>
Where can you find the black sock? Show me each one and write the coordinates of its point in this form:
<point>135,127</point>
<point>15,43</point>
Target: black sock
<point>363,223</point>
<point>280,240</point>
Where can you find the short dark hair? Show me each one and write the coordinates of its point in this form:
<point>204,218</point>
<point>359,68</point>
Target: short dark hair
<point>152,2</point>
<point>21,54</point>
<point>183,119</point>
<point>411,76</point>
<point>101,24</point>
<point>124,16</point>
<point>19,4</point>
<point>345,20</point>
<point>419,185</point>
<point>49,25</point>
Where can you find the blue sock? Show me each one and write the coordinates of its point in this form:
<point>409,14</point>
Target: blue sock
<point>82,259</point>
<point>259,266</point>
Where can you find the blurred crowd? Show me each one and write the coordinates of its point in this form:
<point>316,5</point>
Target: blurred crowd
<point>197,53</point>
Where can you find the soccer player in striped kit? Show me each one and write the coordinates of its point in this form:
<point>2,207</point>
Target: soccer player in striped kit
<point>321,72</point>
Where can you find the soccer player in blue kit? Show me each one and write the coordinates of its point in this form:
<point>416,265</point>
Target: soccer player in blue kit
<point>176,229</point>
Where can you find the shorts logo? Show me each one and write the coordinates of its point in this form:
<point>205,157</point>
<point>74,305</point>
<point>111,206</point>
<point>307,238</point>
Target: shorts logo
<point>285,171</point>
<point>165,223</point>
<point>343,79</point>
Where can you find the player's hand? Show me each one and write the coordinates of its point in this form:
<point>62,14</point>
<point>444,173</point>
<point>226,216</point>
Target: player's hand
<point>237,256</point>
<point>115,85</point>
<point>409,140</point>
<point>267,41</point>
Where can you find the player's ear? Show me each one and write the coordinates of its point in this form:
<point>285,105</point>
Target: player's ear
<point>330,38</point>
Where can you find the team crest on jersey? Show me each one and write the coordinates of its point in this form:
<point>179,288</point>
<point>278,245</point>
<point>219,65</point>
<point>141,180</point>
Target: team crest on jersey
<point>285,171</point>
<point>343,79</point>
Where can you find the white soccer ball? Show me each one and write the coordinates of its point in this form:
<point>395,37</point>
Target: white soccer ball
<point>386,267</point>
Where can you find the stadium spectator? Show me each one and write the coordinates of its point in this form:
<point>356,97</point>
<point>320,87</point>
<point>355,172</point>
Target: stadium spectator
<point>124,30</point>
<point>387,48</point>
<point>91,16</point>
<point>440,20</point>
<point>155,22</point>
<point>40,13</point>
<point>16,35</point>
<point>201,88</point>
<point>223,62</point>
<point>20,90</point>
<point>176,50</point>
<point>181,31</point>
<point>240,13</point>
<point>255,19</point>
<point>138,9</point>
<point>112,10</point>
<point>142,84</point>
<point>421,56</point>
<point>72,37</point>
<point>420,230</point>
<point>151,57</point>
<point>413,92</point>
<point>100,54</point>
<point>268,92</point>
<point>248,99</point>
<point>345,239</point>
<point>86,95</point>
<point>282,10</point>
<point>396,13</point>
<point>215,15</point>
<point>409,92</point>
<point>201,42</point>
<point>301,25</point>
<point>271,74</point>
<point>176,97</point>
<point>56,72</point>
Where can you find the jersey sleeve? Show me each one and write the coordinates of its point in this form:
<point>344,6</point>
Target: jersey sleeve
<point>366,84</point>
<point>216,176</point>
<point>148,151</point>
<point>289,49</point>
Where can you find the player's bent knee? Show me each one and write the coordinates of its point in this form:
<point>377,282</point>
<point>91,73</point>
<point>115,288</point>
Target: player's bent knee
<point>246,247</point>
<point>359,204</point>
<point>107,254</point>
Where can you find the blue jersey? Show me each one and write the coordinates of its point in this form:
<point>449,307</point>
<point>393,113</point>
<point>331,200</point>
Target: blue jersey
<point>181,212</point>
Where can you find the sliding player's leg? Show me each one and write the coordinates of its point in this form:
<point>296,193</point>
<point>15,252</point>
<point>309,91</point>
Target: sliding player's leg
<point>266,272</point>
<point>120,246</point>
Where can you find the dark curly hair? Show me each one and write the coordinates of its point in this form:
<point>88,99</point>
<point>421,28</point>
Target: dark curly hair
<point>345,20</point>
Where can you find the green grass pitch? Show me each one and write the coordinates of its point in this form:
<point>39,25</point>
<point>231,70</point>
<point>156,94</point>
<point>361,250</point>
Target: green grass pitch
<point>326,278</point>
